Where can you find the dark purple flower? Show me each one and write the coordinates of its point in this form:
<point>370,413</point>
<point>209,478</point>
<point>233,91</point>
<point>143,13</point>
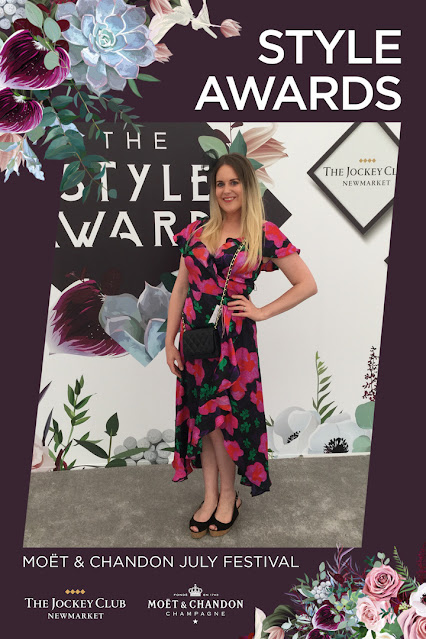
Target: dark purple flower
<point>22,64</point>
<point>74,327</point>
<point>317,634</point>
<point>17,114</point>
<point>324,618</point>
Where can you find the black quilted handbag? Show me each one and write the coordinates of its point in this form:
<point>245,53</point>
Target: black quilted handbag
<point>199,343</point>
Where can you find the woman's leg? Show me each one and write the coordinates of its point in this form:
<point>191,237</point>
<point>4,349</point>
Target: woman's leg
<point>226,467</point>
<point>210,474</point>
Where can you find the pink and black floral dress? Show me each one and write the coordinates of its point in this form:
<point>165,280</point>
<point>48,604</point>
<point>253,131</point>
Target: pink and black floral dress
<point>223,392</point>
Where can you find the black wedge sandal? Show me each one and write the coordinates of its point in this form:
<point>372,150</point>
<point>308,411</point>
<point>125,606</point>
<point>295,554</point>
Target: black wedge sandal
<point>221,528</point>
<point>202,526</point>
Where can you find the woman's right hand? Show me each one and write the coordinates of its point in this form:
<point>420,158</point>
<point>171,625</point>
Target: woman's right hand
<point>173,357</point>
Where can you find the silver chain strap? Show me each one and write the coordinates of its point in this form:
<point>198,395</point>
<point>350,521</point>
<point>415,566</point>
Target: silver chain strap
<point>240,248</point>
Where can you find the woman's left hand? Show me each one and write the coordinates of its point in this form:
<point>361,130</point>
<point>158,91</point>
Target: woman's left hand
<point>243,307</point>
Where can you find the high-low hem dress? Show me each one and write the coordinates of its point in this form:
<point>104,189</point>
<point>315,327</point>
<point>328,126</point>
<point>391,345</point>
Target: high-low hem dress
<point>223,392</point>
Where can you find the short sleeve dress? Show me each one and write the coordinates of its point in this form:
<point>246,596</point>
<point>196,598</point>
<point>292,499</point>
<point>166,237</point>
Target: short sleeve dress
<point>223,392</point>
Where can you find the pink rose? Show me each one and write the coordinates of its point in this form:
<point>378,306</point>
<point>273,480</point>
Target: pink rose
<point>369,611</point>
<point>382,583</point>
<point>41,459</point>
<point>412,625</point>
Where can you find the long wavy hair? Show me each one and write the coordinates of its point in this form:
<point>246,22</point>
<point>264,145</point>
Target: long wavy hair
<point>252,212</point>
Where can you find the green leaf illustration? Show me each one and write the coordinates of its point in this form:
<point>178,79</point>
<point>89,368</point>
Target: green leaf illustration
<point>364,415</point>
<point>255,164</point>
<point>145,77</point>
<point>84,401</point>
<point>92,448</point>
<point>129,453</point>
<point>51,60</point>
<point>72,180</point>
<point>71,395</point>
<point>61,101</point>
<point>238,145</point>
<point>362,444</point>
<point>53,133</point>
<point>211,144</point>
<point>115,463</point>
<point>132,84</point>
<point>168,280</point>
<point>36,134</point>
<point>68,411</point>
<point>52,29</point>
<point>112,425</point>
<point>34,14</point>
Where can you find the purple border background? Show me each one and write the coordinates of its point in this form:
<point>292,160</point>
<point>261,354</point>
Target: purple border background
<point>29,217</point>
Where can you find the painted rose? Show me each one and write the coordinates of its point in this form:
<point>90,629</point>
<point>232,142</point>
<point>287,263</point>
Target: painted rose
<point>412,625</point>
<point>41,460</point>
<point>382,583</point>
<point>369,611</point>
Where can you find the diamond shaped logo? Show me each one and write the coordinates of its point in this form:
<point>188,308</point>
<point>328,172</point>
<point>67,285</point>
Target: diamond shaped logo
<point>358,172</point>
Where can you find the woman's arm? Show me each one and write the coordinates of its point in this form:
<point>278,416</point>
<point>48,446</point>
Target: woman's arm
<point>303,286</point>
<point>177,300</point>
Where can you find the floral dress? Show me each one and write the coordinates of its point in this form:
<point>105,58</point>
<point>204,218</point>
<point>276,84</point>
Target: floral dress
<point>223,392</point>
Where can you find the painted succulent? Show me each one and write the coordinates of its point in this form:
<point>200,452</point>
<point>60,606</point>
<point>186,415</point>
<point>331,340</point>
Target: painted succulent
<point>108,42</point>
<point>135,324</point>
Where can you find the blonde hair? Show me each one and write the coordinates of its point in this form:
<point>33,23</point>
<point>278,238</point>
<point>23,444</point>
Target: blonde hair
<point>252,212</point>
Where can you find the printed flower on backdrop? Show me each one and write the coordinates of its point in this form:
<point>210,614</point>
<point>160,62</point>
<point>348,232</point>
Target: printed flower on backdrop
<point>261,146</point>
<point>22,68</point>
<point>73,326</point>
<point>137,324</point>
<point>336,435</point>
<point>418,600</point>
<point>108,42</point>
<point>41,459</point>
<point>291,430</point>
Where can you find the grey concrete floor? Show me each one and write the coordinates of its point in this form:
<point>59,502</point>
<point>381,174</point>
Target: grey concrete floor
<point>313,502</point>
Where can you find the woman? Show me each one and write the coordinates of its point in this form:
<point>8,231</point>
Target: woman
<point>220,423</point>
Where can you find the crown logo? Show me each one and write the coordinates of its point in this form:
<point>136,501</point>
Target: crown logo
<point>195,591</point>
